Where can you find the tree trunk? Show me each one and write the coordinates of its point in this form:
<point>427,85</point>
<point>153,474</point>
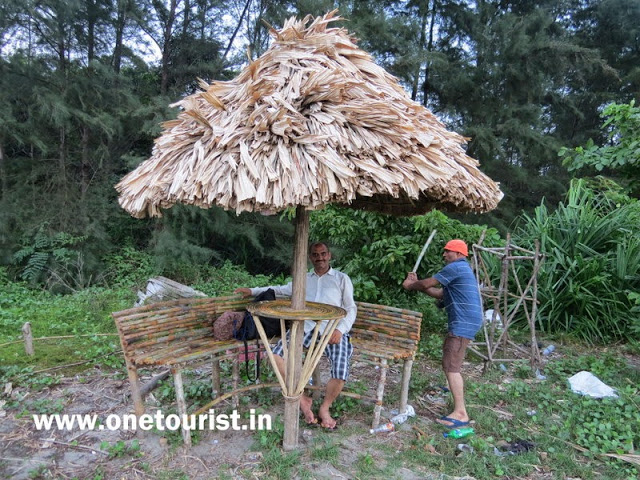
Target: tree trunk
<point>425,87</point>
<point>166,47</point>
<point>62,162</point>
<point>421,45</point>
<point>235,32</point>
<point>84,170</point>
<point>186,18</point>
<point>3,176</point>
<point>299,274</point>
<point>121,20</point>
<point>91,30</point>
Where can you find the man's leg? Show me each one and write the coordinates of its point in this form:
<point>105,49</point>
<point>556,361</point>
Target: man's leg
<point>340,358</point>
<point>456,385</point>
<point>334,387</point>
<point>453,352</point>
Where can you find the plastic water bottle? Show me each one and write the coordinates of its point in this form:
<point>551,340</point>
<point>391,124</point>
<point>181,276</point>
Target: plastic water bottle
<point>548,350</point>
<point>458,432</point>
<point>385,427</point>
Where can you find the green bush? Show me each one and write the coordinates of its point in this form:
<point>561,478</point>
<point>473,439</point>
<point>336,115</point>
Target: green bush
<point>378,250</point>
<point>592,267</point>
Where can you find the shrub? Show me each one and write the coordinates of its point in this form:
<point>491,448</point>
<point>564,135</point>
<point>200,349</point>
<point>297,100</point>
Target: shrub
<point>592,264</point>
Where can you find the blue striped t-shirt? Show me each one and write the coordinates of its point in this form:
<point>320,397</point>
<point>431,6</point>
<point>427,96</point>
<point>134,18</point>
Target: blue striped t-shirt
<point>461,298</point>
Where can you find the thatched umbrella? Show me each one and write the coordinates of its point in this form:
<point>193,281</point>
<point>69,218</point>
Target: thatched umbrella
<point>312,121</point>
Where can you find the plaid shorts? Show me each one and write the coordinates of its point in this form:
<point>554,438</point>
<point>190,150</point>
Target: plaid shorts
<point>339,354</point>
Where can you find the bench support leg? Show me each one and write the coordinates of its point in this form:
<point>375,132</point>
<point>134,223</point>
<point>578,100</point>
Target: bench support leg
<point>215,378</point>
<point>380,393</point>
<point>182,405</point>
<point>235,373</point>
<point>134,383</point>
<point>404,389</point>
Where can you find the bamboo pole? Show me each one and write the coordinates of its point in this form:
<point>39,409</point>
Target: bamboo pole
<point>424,249</point>
<point>181,403</point>
<point>299,273</point>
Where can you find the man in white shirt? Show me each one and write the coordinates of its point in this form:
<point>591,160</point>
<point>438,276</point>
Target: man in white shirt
<point>324,285</point>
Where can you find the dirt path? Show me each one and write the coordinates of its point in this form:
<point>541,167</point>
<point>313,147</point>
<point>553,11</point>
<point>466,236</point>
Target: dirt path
<point>28,453</point>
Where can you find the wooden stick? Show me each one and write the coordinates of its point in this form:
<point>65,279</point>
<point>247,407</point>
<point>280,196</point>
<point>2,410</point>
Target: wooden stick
<point>424,249</point>
<point>62,336</point>
<point>225,396</point>
<point>153,383</point>
<point>67,365</point>
<point>83,447</point>
<point>28,339</point>
<point>181,403</point>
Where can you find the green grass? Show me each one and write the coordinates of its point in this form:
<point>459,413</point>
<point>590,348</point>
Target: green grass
<point>87,313</point>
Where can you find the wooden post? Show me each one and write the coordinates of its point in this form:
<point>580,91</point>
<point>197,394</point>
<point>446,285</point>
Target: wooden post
<point>404,389</point>
<point>28,339</point>
<point>380,393</point>
<point>235,380</point>
<point>215,378</point>
<point>535,351</point>
<point>181,403</point>
<point>299,273</point>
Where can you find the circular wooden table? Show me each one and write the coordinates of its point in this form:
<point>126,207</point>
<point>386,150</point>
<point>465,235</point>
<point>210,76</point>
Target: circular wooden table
<point>297,372</point>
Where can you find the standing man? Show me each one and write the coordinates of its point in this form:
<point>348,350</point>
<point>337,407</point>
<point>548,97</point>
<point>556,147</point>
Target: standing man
<point>324,285</point>
<point>461,298</point>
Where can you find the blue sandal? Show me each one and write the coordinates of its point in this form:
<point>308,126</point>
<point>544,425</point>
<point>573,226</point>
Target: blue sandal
<point>455,423</point>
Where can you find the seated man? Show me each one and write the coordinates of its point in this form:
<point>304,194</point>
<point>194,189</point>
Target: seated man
<point>324,285</point>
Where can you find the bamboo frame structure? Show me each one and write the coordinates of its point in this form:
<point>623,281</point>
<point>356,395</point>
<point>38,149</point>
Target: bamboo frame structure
<point>509,298</point>
<point>297,372</point>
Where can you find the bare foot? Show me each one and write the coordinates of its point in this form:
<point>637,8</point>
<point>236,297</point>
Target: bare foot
<point>325,419</point>
<point>305,406</point>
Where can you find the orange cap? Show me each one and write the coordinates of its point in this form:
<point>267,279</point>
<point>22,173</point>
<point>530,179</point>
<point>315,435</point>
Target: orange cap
<point>457,246</point>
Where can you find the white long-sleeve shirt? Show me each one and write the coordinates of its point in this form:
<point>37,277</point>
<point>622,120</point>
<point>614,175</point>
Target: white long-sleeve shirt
<point>333,288</point>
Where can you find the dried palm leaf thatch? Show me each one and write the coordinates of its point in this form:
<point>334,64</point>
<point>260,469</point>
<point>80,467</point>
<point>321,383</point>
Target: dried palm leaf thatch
<point>312,121</point>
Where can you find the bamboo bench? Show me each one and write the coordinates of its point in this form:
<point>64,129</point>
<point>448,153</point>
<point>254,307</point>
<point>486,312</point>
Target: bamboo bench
<point>383,335</point>
<point>177,333</point>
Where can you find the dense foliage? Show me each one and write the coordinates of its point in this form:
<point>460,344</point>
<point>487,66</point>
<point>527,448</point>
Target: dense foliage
<point>589,281</point>
<point>620,156</point>
<point>84,87</point>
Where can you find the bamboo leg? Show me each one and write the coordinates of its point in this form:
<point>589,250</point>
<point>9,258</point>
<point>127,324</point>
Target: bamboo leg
<point>182,405</point>
<point>215,378</point>
<point>235,375</point>
<point>380,393</point>
<point>134,384</point>
<point>404,389</point>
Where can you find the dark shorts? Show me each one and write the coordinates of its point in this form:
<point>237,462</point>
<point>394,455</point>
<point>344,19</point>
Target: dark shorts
<point>453,352</point>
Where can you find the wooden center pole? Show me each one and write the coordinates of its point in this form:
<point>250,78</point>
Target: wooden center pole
<point>299,273</point>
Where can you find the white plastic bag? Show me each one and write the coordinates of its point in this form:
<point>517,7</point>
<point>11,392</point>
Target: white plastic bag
<point>400,418</point>
<point>586,383</point>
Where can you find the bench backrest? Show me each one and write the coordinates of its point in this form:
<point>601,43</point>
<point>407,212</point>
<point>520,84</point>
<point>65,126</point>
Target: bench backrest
<point>163,322</point>
<point>395,328</point>
<point>159,323</point>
